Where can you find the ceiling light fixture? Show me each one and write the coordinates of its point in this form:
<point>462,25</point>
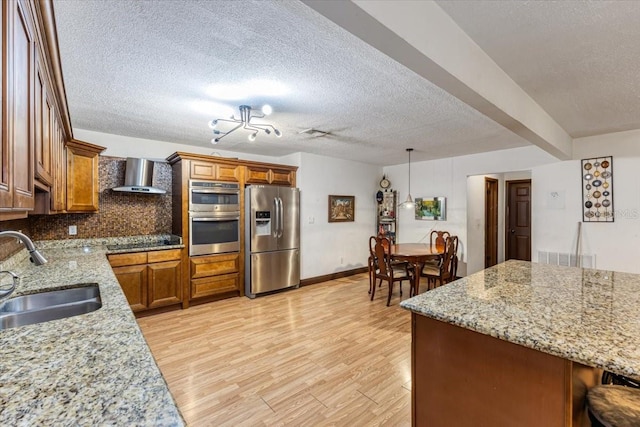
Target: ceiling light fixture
<point>408,204</point>
<point>245,122</point>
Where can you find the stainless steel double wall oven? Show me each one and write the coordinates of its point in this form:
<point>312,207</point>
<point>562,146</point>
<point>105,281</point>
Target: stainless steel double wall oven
<point>214,217</point>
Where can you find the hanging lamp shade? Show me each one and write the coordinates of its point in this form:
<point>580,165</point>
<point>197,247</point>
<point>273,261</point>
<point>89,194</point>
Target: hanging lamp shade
<point>408,204</point>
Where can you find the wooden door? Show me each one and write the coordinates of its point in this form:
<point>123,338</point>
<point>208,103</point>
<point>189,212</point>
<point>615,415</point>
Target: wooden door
<point>518,220</point>
<point>133,281</point>
<point>165,284</point>
<point>490,222</point>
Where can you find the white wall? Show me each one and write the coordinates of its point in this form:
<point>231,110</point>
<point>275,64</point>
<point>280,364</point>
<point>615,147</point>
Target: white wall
<point>614,244</point>
<point>448,178</point>
<point>332,247</point>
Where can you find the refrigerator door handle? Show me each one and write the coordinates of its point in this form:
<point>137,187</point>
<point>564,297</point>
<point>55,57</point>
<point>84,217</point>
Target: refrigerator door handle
<point>276,212</point>
<point>281,218</point>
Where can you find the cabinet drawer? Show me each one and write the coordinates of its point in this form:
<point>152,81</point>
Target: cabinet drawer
<point>214,285</point>
<point>214,265</point>
<point>160,256</point>
<point>117,260</point>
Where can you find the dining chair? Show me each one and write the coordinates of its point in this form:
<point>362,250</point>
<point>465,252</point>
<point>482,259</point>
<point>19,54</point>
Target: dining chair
<point>372,263</point>
<point>391,272</point>
<point>438,237</point>
<point>441,273</point>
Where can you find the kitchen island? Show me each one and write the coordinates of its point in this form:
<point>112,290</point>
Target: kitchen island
<point>90,369</point>
<point>520,343</point>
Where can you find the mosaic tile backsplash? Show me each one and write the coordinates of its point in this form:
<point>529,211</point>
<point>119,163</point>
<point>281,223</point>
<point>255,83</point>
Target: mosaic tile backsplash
<point>120,214</point>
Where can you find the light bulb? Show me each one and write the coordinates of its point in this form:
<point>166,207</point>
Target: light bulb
<point>252,137</point>
<point>213,123</point>
<point>214,141</point>
<point>266,109</point>
<point>267,131</point>
<point>277,133</point>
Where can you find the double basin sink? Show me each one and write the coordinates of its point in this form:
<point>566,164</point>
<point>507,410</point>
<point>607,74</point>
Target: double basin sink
<point>50,305</point>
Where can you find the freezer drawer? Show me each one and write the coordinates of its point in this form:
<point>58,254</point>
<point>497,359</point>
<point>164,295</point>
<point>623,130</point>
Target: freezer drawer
<point>270,271</point>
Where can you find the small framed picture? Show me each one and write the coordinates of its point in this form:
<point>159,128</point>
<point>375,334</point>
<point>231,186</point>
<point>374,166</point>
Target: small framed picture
<point>342,208</point>
<point>431,208</point>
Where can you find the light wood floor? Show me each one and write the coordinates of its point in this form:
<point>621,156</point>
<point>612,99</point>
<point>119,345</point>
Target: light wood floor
<point>320,355</point>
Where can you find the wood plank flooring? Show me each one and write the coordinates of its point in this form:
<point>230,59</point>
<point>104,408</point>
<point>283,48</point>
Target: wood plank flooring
<point>316,356</point>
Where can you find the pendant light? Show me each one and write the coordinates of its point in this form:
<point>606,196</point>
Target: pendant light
<point>408,204</point>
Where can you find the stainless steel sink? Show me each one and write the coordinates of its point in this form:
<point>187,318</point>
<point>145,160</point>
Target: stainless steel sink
<point>51,305</point>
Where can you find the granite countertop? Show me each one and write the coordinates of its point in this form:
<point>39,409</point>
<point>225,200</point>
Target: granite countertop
<point>91,369</point>
<point>584,315</point>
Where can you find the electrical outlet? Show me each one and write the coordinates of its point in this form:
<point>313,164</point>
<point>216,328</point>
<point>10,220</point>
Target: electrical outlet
<point>73,230</point>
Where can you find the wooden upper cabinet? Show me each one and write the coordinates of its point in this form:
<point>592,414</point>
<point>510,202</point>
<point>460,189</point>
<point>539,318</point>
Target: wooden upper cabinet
<point>213,171</point>
<point>43,137</point>
<point>82,176</point>
<point>270,175</point>
<point>20,103</point>
<point>283,177</point>
<point>6,193</point>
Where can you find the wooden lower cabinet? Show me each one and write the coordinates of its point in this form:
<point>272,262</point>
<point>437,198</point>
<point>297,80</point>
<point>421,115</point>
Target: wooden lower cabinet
<point>133,281</point>
<point>465,378</point>
<point>149,279</point>
<point>212,275</point>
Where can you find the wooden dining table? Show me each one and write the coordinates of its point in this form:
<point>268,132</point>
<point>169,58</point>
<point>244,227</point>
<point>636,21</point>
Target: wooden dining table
<point>417,254</point>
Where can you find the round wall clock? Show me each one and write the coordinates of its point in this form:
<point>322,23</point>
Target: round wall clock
<point>384,182</point>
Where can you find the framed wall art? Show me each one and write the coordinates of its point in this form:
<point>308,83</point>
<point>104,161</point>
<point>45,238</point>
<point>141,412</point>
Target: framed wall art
<point>431,208</point>
<point>596,176</point>
<point>342,208</point>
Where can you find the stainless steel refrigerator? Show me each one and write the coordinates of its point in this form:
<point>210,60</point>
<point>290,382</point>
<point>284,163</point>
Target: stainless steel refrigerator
<point>272,239</point>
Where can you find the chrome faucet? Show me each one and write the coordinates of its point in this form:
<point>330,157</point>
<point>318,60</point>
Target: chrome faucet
<point>36,257</point>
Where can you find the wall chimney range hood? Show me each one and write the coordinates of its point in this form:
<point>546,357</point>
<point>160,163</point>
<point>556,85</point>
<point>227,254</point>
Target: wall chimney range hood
<point>138,177</point>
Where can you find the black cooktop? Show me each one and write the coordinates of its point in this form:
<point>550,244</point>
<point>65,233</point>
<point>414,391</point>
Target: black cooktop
<point>165,242</point>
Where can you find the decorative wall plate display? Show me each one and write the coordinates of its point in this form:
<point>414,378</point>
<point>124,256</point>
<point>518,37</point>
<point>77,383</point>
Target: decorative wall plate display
<point>597,189</point>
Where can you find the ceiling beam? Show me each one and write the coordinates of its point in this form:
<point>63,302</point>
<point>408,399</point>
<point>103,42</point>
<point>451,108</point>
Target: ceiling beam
<point>422,37</point>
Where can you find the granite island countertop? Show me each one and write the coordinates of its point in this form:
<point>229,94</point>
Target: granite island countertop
<point>91,369</point>
<point>584,315</point>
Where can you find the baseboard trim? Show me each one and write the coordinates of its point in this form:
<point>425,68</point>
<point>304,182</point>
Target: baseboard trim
<point>332,276</point>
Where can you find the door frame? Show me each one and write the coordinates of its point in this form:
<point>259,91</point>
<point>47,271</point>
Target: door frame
<point>491,220</point>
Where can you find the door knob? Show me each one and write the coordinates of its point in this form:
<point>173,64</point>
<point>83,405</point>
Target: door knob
<point>513,231</point>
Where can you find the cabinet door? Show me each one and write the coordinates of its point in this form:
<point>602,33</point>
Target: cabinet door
<point>82,177</point>
<point>257,175</point>
<point>203,170</point>
<point>165,285</point>
<point>59,197</point>
<point>43,140</point>
<point>21,98</point>
<point>133,281</point>
<point>283,177</point>
<point>226,173</point>
<point>6,193</point>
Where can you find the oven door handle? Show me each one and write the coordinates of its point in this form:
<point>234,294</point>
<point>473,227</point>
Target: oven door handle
<point>216,219</point>
<point>214,191</point>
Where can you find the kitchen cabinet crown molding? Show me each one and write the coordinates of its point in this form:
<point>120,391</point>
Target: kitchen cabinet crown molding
<point>180,155</point>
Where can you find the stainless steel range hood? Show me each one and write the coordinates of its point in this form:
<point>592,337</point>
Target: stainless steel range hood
<point>138,177</point>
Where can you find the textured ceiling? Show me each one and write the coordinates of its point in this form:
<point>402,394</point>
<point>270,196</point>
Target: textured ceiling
<point>578,59</point>
<point>145,69</point>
